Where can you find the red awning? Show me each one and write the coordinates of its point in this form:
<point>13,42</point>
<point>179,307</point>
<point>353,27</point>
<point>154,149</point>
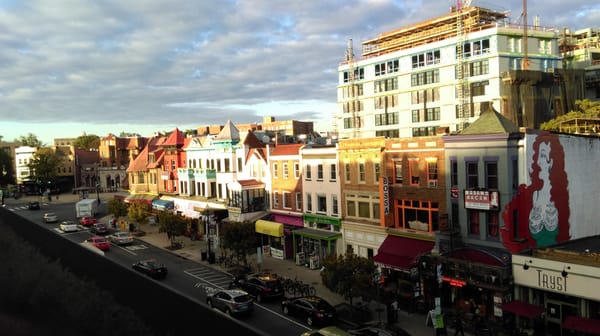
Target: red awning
<point>142,198</point>
<point>581,324</point>
<point>401,253</point>
<point>523,309</point>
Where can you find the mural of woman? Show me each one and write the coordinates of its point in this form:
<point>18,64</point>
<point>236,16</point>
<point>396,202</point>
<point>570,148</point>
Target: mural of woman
<point>541,209</point>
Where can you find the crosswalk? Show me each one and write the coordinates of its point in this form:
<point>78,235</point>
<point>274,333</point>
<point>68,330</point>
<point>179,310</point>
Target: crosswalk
<point>207,276</point>
<point>21,207</point>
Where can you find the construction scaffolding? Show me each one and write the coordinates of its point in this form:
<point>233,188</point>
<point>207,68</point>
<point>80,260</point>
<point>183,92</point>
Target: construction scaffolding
<point>444,27</point>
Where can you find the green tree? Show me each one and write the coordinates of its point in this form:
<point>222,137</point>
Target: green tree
<point>240,238</point>
<point>90,141</point>
<point>138,212</point>
<point>350,275</point>
<point>30,140</point>
<point>173,224</point>
<point>44,164</point>
<point>7,170</point>
<point>586,109</point>
<point>116,208</point>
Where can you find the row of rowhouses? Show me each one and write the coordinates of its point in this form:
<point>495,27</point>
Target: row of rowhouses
<point>442,216</point>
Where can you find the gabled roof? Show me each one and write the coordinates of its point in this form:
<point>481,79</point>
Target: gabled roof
<point>140,163</point>
<point>258,152</point>
<point>175,139</point>
<point>251,140</point>
<point>229,132</point>
<point>490,122</point>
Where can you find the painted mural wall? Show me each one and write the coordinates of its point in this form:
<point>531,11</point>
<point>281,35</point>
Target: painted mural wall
<point>560,200</point>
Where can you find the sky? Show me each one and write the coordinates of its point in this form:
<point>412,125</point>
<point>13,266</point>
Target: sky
<point>73,67</point>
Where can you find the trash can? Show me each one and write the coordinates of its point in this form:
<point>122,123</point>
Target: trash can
<point>211,258</point>
<point>203,255</point>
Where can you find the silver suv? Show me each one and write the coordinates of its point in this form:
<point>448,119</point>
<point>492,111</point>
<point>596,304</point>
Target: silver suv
<point>230,301</point>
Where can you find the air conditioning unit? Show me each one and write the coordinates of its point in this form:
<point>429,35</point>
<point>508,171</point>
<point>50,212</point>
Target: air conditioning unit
<point>432,184</point>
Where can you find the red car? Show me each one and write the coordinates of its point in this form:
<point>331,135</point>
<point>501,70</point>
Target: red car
<point>88,221</point>
<point>99,242</point>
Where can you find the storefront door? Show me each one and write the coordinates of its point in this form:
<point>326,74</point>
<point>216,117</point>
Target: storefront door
<point>556,311</point>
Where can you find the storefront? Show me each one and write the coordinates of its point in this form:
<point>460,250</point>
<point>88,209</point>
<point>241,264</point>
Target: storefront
<point>563,281</point>
<point>312,245</point>
<point>271,237</point>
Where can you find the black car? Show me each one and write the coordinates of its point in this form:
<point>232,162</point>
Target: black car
<point>262,286</point>
<point>99,228</point>
<point>313,309</point>
<point>151,268</point>
<point>33,206</point>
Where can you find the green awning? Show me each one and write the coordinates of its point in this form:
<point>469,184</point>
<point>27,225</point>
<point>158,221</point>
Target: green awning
<point>317,234</point>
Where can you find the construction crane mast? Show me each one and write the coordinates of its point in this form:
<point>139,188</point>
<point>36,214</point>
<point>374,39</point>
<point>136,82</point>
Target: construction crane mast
<point>463,91</point>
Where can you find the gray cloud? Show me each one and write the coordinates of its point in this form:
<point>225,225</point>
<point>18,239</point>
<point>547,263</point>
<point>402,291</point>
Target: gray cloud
<point>199,62</point>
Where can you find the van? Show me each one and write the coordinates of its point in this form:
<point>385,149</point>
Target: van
<point>327,331</point>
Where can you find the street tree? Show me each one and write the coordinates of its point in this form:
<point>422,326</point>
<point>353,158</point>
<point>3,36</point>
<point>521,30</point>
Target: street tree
<point>137,212</point>
<point>116,207</point>
<point>30,140</point>
<point>44,164</point>
<point>87,142</point>
<point>240,238</point>
<point>7,170</point>
<point>171,223</point>
<point>350,275</point>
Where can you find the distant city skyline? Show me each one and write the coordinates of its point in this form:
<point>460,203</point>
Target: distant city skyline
<point>70,67</point>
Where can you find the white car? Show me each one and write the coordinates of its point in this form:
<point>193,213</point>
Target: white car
<point>121,238</point>
<point>50,217</point>
<point>68,226</point>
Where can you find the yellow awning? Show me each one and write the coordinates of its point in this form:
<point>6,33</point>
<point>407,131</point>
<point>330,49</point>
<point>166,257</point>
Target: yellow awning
<point>269,228</point>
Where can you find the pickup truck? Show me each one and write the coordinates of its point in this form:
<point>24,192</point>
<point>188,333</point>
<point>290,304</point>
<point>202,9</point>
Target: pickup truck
<point>230,301</point>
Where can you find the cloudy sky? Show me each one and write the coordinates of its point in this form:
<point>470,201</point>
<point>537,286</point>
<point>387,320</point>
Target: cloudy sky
<point>73,66</point>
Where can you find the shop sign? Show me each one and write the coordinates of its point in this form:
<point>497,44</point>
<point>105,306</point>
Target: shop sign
<point>481,200</point>
<point>454,282</point>
<point>386,195</point>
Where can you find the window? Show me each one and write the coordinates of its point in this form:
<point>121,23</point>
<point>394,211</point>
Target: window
<point>332,172</point>
<point>296,170</point>
<point>363,206</point>
<point>361,172</point>
<point>334,203</point>
<point>398,172</point>
<point>493,225</point>
<point>240,165</point>
<point>427,58</point>
<point>384,85</point>
<point>473,217</point>
<point>414,171</point>
<point>491,174</point>
<point>453,172</point>
<point>319,172</point>
<point>322,204</point>
<point>472,175</point>
<point>377,169</point>
<point>384,119</point>
<point>308,172</point>
<point>275,200</point>
<point>350,208</point>
<point>417,215</point>
<point>425,78</point>
<point>275,170</point>
<point>347,172</point>
<point>285,170</point>
<point>308,202</point>
<point>478,88</point>
<point>287,200</point>
<point>298,201</point>
<point>432,170</point>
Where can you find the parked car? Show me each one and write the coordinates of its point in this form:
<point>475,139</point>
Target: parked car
<point>230,301</point>
<point>151,267</point>
<point>87,220</point>
<point>120,238</point>
<point>313,309</point>
<point>326,331</point>
<point>50,217</point>
<point>33,205</point>
<point>262,286</point>
<point>99,242</point>
<point>99,228</point>
<point>68,226</point>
